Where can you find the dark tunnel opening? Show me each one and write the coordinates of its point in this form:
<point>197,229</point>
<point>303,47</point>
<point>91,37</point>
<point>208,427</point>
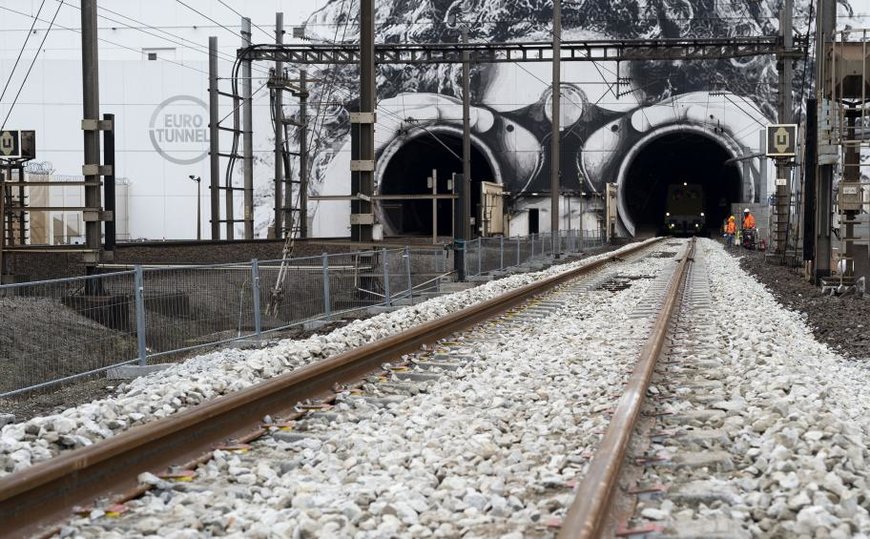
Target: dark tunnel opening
<point>672,160</point>
<point>407,173</point>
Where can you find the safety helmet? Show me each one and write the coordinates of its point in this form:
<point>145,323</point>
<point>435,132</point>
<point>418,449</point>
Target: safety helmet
<point>746,210</point>
<point>731,218</point>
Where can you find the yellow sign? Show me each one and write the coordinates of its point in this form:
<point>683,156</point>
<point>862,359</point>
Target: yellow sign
<point>782,140</point>
<point>9,145</point>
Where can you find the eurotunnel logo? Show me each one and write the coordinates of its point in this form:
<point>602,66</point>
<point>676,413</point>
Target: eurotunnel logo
<point>179,129</point>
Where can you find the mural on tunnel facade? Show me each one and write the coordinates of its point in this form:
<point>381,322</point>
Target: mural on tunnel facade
<point>609,112</point>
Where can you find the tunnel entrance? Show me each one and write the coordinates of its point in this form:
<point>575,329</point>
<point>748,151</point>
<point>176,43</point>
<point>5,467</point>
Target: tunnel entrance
<point>406,173</point>
<point>673,159</point>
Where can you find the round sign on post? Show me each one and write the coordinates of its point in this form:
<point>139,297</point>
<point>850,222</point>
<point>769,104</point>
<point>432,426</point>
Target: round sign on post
<point>179,125</point>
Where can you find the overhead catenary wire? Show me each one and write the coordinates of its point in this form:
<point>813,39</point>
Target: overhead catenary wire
<point>104,40</point>
<point>255,25</point>
<point>35,56</point>
<point>173,38</point>
<point>21,52</point>
<point>237,34</point>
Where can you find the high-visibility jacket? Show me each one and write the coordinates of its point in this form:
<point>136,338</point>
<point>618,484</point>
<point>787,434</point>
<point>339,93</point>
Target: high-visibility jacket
<point>748,221</point>
<point>731,228</point>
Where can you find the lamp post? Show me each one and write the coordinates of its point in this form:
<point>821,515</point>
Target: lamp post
<point>198,181</point>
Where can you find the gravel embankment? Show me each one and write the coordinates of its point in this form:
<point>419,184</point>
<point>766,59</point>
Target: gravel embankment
<point>842,322</point>
<point>490,449</point>
<point>211,375</point>
<point>771,427</point>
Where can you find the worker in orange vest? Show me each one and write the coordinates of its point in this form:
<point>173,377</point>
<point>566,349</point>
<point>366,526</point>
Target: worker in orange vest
<point>748,220</point>
<point>730,231</point>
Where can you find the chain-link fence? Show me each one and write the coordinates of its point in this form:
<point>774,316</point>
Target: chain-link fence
<point>485,255</point>
<point>60,330</point>
<point>56,331</point>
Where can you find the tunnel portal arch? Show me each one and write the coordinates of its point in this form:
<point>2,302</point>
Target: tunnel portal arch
<point>673,155</point>
<point>406,163</point>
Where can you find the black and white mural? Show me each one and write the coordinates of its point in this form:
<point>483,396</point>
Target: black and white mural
<point>643,125</point>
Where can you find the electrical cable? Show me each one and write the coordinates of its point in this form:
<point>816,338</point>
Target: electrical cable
<point>221,2</point>
<point>799,122</point>
<point>197,47</point>
<point>35,56</point>
<point>237,34</point>
<point>104,40</point>
<point>21,52</point>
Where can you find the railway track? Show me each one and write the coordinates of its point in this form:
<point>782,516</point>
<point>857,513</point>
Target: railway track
<point>587,516</point>
<point>47,491</point>
<point>616,403</point>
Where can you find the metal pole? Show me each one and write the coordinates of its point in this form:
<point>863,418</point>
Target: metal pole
<point>247,134</point>
<point>386,263</point>
<point>3,218</point>
<point>465,205</point>
<point>109,179</point>
<point>809,180</point>
<point>783,171</point>
<point>255,291</point>
<point>279,130</point>
<point>434,206</point>
<point>22,216</point>
<point>91,113</point>
<point>303,155</point>
<point>198,208</point>
<point>363,159</point>
<point>407,257</point>
<point>214,139</point>
<point>518,252</point>
<point>327,301</point>
<point>554,139</point>
<point>825,22</point>
<point>501,252</point>
<point>479,255</point>
<point>139,294</point>
<point>459,240</point>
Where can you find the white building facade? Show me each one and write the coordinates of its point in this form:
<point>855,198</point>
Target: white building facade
<point>154,78</point>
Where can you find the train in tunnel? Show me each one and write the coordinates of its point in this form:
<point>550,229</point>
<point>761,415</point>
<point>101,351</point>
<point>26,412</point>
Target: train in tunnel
<point>684,210</point>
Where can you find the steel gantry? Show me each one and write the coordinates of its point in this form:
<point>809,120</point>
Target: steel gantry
<point>595,50</point>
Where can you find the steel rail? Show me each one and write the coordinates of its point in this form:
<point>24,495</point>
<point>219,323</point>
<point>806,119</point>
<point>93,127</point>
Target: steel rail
<point>586,516</point>
<point>35,498</point>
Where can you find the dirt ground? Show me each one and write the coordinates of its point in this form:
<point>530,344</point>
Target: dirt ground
<point>842,322</point>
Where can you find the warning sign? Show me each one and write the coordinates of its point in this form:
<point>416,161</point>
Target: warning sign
<point>782,140</point>
<point>17,145</point>
<point>10,145</point>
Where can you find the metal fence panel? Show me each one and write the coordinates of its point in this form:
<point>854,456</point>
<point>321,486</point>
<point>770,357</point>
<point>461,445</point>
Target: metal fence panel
<point>301,295</point>
<point>473,257</point>
<point>186,307</point>
<point>58,329</point>
<point>427,268</point>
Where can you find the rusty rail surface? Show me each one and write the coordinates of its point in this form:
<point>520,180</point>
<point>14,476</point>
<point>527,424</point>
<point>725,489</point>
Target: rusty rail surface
<point>586,516</point>
<point>33,499</point>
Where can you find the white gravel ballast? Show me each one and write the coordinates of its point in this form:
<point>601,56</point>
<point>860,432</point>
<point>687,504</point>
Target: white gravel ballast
<point>211,375</point>
<point>769,427</point>
<point>490,448</point>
